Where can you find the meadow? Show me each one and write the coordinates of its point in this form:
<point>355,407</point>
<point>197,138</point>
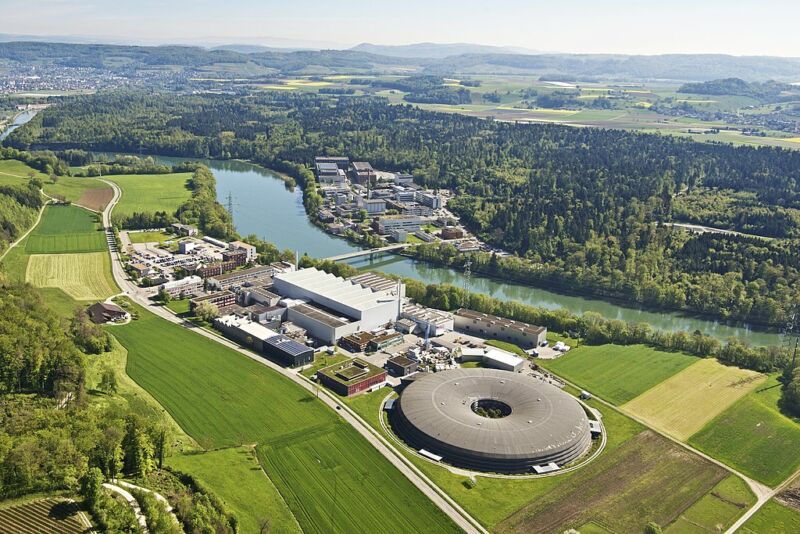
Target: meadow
<point>722,506</point>
<point>687,401</point>
<point>66,229</point>
<point>618,373</point>
<point>754,437</point>
<point>73,189</point>
<point>235,475</point>
<point>149,237</point>
<point>773,518</point>
<point>149,193</point>
<point>224,399</point>
<point>81,276</point>
<point>14,172</point>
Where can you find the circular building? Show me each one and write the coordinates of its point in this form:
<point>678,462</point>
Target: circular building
<point>491,420</point>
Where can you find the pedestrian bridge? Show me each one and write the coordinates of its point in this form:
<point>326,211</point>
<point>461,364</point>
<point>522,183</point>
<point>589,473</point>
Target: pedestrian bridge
<point>369,252</point>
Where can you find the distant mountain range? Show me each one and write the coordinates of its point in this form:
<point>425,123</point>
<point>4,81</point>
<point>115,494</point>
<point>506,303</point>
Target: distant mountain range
<point>423,58</point>
<point>437,50</point>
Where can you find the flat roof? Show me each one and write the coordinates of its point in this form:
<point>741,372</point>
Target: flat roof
<point>253,271</point>
<point>374,281</point>
<point>500,321</point>
<point>324,166</point>
<point>320,315</point>
<point>247,326</point>
<point>362,166</point>
<point>401,361</point>
<point>351,372</point>
<point>428,315</point>
<point>328,286</point>
<point>287,345</point>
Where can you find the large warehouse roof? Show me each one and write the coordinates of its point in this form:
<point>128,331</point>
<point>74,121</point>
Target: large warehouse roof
<point>334,288</point>
<point>437,412</point>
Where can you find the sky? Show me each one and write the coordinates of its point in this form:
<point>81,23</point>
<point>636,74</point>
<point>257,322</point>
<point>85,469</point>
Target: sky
<point>739,27</point>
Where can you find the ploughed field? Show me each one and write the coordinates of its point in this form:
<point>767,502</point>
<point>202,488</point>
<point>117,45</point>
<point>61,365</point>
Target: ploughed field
<point>54,516</point>
<point>224,399</point>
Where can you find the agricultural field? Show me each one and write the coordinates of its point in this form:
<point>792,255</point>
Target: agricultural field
<point>87,192</point>
<point>149,193</point>
<point>618,373</point>
<point>754,437</point>
<point>66,229</point>
<point>773,518</point>
<point>235,475</point>
<point>717,510</point>
<point>81,276</point>
<point>14,172</point>
<point>647,478</point>
<point>56,516</point>
<point>687,401</point>
<point>224,399</point>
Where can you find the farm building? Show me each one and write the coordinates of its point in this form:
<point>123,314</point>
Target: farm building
<point>103,312</point>
<point>351,377</point>
<point>288,351</point>
<point>401,366</point>
<point>493,327</point>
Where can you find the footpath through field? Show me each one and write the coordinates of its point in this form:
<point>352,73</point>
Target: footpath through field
<point>443,501</point>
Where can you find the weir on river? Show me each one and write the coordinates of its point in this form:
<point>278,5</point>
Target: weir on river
<point>262,205</point>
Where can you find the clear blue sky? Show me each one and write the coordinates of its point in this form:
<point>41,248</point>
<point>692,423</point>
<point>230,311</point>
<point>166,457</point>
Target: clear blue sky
<point>743,27</point>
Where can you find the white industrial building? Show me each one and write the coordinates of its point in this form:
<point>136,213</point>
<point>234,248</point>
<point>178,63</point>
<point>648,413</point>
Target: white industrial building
<point>245,331</point>
<point>331,307</point>
<point>493,327</point>
<point>493,358</point>
<point>428,320</point>
<point>249,249</point>
<point>409,223</point>
<point>191,285</point>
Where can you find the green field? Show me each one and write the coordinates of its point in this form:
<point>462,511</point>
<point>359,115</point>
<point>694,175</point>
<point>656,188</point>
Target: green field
<point>235,475</point>
<point>149,193</point>
<point>224,399</point>
<point>13,172</point>
<point>81,276</point>
<point>617,373</point>
<point>149,237</point>
<point>773,518</point>
<point>65,229</point>
<point>754,437</point>
<point>717,510</point>
<point>685,402</point>
<point>72,188</point>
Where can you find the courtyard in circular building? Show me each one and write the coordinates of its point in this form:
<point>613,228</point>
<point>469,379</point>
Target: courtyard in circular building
<point>492,421</point>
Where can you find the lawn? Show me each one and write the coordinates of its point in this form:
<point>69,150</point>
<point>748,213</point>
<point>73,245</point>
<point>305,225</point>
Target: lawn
<point>81,276</point>
<point>222,399</point>
<point>754,437</point>
<point>149,193</point>
<point>508,347</point>
<point>617,373</point>
<point>236,476</point>
<point>773,518</point>
<point>322,360</point>
<point>65,229</point>
<point>717,510</point>
<point>684,403</point>
<point>149,237</point>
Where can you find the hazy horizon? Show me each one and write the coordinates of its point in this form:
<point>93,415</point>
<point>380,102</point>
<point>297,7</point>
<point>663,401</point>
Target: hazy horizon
<point>574,26</point>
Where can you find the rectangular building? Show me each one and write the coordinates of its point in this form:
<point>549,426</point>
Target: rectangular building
<point>237,278</point>
<point>387,339</point>
<point>189,286</point>
<point>220,299</point>
<point>493,358</point>
<point>288,351</point>
<point>184,229</point>
<point>403,179</point>
<point>401,366</point>
<point>215,269</point>
<point>361,172</point>
<point>249,333</point>
<point>238,257</point>
<point>492,327</point>
<point>427,198</point>
<point>429,320</point>
<point>320,323</point>
<point>249,250</point>
<point>373,206</point>
<point>351,377</point>
<point>409,223</point>
<point>342,162</point>
<point>356,342</point>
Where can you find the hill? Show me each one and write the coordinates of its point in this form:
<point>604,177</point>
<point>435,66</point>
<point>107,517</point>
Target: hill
<point>436,50</point>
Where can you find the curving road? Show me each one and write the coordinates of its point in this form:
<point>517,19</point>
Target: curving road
<point>456,513</point>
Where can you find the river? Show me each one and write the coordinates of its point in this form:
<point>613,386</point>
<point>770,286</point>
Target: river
<point>18,121</point>
<point>262,205</point>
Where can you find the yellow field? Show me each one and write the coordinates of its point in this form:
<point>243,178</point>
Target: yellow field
<point>277,87</point>
<point>793,139</point>
<point>687,101</point>
<point>682,404</point>
<point>306,83</point>
<point>81,276</point>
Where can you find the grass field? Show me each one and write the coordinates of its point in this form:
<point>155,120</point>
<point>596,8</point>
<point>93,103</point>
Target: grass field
<point>149,237</point>
<point>72,188</point>
<point>222,399</point>
<point>647,478</point>
<point>13,172</point>
<point>151,192</point>
<point>236,476</point>
<point>773,518</point>
<point>81,276</point>
<point>65,229</point>
<point>717,510</point>
<point>754,437</point>
<point>618,373</point>
<point>684,403</point>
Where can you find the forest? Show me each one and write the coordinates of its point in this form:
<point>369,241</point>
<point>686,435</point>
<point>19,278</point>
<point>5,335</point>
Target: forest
<point>583,207</point>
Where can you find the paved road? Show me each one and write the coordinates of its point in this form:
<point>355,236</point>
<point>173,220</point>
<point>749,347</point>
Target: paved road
<point>457,514</point>
<point>132,502</point>
<point>700,229</point>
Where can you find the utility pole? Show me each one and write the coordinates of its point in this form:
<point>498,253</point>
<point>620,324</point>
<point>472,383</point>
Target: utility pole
<point>791,337</point>
<point>467,277</point>
<point>230,211</point>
